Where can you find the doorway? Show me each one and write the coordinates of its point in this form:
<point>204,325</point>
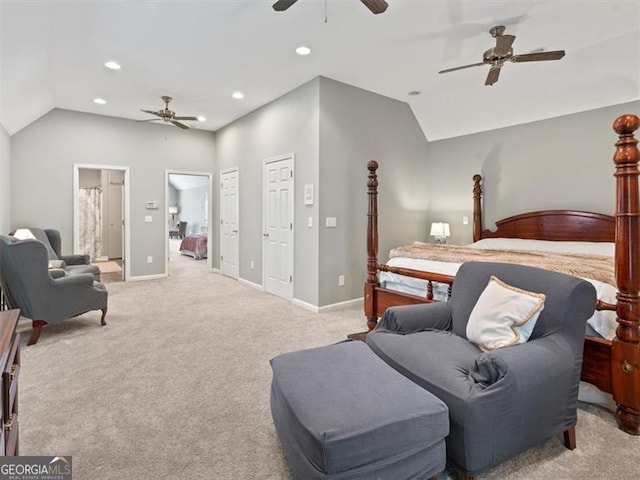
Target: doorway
<point>101,217</point>
<point>278,226</point>
<point>229,221</point>
<point>187,213</point>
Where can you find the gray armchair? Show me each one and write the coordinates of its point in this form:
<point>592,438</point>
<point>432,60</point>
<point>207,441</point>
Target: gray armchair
<point>504,401</point>
<point>71,264</point>
<point>28,285</point>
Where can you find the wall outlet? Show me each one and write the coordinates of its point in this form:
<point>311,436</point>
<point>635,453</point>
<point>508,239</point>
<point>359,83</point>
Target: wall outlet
<point>341,281</point>
<point>465,220</point>
<point>148,219</point>
<point>252,265</point>
<point>149,259</point>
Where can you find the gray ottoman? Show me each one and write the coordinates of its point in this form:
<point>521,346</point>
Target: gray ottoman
<point>341,412</point>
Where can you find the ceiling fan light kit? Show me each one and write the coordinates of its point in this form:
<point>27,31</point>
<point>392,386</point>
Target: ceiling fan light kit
<point>168,116</point>
<point>502,52</point>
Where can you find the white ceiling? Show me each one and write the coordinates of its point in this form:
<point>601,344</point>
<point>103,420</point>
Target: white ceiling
<point>52,56</point>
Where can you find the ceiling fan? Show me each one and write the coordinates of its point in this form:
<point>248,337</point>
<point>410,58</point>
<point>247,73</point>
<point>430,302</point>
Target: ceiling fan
<point>167,115</point>
<point>502,52</point>
<point>376,6</point>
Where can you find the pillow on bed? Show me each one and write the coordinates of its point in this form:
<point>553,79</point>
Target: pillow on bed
<point>503,315</point>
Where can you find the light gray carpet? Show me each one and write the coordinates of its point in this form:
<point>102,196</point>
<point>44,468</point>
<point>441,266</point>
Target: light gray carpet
<point>176,386</point>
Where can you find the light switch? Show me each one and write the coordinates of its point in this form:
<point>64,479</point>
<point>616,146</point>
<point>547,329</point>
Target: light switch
<point>148,219</point>
<point>331,222</point>
<point>310,222</point>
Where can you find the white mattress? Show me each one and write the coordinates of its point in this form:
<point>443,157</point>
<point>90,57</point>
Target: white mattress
<point>603,322</point>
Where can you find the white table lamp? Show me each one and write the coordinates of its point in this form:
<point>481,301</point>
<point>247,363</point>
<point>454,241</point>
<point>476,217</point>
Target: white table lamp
<point>440,231</point>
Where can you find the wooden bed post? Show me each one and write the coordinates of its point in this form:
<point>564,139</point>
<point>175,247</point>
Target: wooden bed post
<point>625,363</point>
<point>477,208</point>
<point>372,246</point>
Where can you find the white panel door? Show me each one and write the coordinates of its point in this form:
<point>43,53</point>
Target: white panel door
<point>229,244</point>
<point>278,227</point>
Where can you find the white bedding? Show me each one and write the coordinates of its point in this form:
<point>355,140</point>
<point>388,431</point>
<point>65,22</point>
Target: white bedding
<point>603,322</point>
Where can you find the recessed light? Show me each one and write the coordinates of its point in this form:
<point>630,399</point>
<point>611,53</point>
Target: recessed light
<point>303,50</point>
<point>112,65</point>
<point>202,118</point>
<point>99,101</point>
<point>238,95</point>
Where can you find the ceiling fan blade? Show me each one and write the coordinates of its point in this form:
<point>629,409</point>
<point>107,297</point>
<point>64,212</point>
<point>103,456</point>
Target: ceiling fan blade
<point>494,74</point>
<point>186,118</point>
<point>460,68</point>
<point>376,6</point>
<point>282,5</point>
<point>538,57</point>
<point>503,44</point>
<point>181,125</point>
<point>150,112</point>
<point>149,120</point>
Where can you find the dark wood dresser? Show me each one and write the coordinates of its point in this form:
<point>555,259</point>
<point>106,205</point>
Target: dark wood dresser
<point>10,368</point>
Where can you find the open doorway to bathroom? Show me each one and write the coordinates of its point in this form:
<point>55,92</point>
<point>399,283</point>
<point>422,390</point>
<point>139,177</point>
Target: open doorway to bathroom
<point>188,197</point>
<point>100,226</point>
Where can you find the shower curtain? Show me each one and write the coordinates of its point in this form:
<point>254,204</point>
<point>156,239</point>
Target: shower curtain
<point>90,210</point>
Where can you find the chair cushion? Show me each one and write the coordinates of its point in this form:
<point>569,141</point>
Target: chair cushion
<point>341,409</point>
<point>504,315</point>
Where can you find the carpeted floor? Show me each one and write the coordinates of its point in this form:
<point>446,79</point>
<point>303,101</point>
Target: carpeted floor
<point>176,386</point>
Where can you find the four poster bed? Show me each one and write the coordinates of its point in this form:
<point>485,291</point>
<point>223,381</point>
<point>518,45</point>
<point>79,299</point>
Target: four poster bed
<point>613,365</point>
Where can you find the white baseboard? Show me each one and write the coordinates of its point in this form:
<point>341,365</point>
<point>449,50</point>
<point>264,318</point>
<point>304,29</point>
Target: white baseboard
<point>250,284</point>
<point>328,308</point>
<point>305,305</point>
<point>216,270</point>
<point>342,305</point>
<point>142,278</point>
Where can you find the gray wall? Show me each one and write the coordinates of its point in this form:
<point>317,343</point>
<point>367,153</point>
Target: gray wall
<point>563,162</point>
<point>43,155</point>
<point>192,201</point>
<point>287,125</point>
<point>5,181</point>
<point>357,126</point>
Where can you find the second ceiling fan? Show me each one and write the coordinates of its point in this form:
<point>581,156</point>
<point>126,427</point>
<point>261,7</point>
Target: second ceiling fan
<point>502,52</point>
<point>376,6</point>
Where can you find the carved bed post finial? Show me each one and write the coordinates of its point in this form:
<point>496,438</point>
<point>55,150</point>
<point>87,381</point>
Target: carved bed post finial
<point>626,345</point>
<point>477,207</point>
<point>372,245</point>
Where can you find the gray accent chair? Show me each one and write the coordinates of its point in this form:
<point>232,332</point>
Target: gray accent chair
<point>71,264</point>
<point>28,285</point>
<point>505,401</point>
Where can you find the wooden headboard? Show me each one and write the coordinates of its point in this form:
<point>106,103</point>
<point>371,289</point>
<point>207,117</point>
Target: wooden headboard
<point>556,225</point>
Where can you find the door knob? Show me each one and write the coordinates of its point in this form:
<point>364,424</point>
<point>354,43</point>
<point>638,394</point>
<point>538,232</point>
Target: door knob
<point>265,234</point>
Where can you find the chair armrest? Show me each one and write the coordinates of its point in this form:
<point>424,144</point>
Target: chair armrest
<point>541,362</point>
<point>74,280</point>
<point>75,259</point>
<point>416,318</point>
<point>57,272</point>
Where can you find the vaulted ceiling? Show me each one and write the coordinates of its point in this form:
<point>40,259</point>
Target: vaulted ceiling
<point>53,55</point>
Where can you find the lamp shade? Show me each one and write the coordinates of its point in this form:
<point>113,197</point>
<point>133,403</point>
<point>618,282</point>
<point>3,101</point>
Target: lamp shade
<point>24,234</point>
<point>173,210</point>
<point>439,229</point>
